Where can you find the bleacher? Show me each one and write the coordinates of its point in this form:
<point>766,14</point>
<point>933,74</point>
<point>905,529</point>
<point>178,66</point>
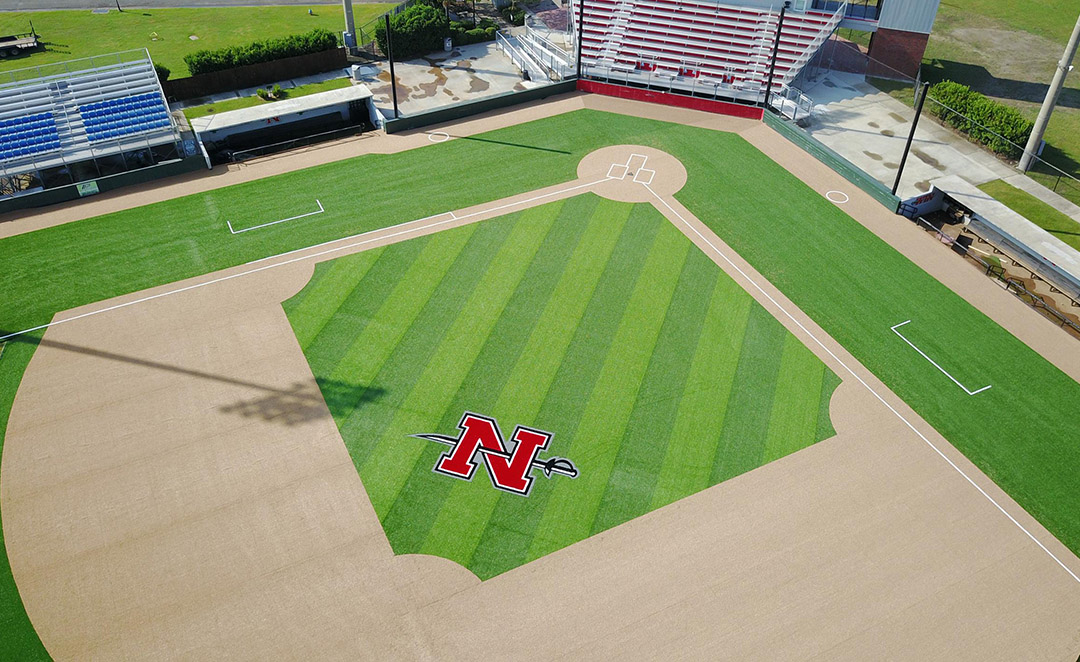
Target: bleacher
<point>58,114</point>
<point>124,116</point>
<point>30,134</point>
<point>697,45</point>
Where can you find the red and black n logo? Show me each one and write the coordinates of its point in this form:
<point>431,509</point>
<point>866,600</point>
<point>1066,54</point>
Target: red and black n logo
<point>509,469</point>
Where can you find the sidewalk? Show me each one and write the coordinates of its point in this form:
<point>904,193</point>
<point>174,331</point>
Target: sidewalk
<point>869,128</point>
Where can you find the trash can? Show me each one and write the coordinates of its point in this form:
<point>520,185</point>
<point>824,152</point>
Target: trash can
<point>448,44</point>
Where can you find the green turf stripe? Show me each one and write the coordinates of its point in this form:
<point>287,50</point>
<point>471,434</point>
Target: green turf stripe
<point>630,488</point>
<point>322,298</point>
<point>511,528</point>
<point>462,521</point>
<point>793,420</point>
<point>364,426</point>
<point>397,312</point>
<point>417,506</point>
<point>688,463</point>
<point>574,503</point>
<point>360,305</point>
<point>389,465</point>
<point>746,421</point>
<point>825,427</point>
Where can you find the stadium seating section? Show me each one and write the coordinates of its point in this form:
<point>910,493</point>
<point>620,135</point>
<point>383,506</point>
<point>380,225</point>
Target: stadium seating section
<point>709,43</point>
<point>105,120</point>
<point>27,135</point>
<point>87,103</point>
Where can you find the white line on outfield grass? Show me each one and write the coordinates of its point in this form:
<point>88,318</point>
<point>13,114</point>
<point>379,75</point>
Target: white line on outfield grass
<point>932,361</point>
<point>868,387</point>
<point>368,239</point>
<point>291,218</point>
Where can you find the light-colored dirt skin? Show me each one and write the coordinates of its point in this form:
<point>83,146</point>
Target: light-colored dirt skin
<point>173,486</point>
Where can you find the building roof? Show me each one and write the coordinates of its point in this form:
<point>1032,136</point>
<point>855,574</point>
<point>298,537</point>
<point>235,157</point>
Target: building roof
<point>267,111</point>
<point>1062,260</point>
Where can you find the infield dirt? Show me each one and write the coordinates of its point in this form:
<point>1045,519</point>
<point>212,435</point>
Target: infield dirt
<point>175,487</point>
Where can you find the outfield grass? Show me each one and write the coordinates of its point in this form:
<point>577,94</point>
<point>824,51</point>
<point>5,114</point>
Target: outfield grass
<point>595,320</point>
<point>68,35</point>
<point>1022,432</point>
<point>1046,217</point>
<point>191,112</point>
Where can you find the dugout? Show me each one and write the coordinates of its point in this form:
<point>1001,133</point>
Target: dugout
<point>279,125</point>
<point>1023,241</point>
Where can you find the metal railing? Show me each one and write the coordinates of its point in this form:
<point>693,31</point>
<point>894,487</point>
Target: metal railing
<point>547,54</point>
<point>65,69</point>
<point>517,56</point>
<point>1010,283</point>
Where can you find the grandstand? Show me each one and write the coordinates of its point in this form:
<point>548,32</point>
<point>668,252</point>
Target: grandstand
<point>80,122</point>
<point>698,46</point>
<point>706,48</point>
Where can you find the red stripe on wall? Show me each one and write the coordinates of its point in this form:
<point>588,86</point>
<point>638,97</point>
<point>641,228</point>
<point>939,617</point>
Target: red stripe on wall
<point>637,94</point>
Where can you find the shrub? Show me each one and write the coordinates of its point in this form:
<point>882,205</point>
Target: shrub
<point>162,72</point>
<point>205,61</point>
<point>276,91</point>
<point>262,94</point>
<point>418,30</point>
<point>464,34</point>
<point>983,120</point>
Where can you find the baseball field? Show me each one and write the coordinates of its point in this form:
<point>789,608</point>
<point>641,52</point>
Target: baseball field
<point>699,315</point>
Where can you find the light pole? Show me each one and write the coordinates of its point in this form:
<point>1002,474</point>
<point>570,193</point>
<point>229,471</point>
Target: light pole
<point>911,136</point>
<point>775,52</point>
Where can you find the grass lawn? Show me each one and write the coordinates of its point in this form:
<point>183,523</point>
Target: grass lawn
<point>68,35</point>
<point>1008,51</point>
<point>192,112</point>
<point>1022,432</point>
<point>594,320</point>
<point>1038,212</point>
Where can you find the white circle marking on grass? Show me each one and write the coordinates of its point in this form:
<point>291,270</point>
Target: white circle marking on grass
<point>836,199</point>
<point>441,135</point>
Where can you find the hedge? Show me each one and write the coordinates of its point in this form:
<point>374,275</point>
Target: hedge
<point>418,30</point>
<point>205,61</point>
<point>1004,126</point>
<point>464,34</point>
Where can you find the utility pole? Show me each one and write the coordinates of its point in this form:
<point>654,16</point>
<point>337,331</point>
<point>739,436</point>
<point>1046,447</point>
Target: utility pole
<point>1063,68</point>
<point>350,27</point>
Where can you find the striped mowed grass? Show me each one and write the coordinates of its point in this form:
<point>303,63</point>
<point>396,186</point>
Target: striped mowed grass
<point>594,320</point>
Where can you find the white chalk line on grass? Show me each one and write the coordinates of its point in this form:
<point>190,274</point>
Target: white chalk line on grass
<point>868,387</point>
<point>369,239</point>
<point>291,218</point>
<point>934,363</point>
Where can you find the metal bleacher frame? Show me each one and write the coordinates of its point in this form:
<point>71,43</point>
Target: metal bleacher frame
<point>697,47</point>
<point>119,91</point>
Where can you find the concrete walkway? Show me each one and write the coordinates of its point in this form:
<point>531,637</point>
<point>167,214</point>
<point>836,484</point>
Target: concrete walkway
<point>440,79</point>
<point>868,127</point>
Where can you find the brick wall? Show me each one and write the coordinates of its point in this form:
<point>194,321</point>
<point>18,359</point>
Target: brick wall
<point>902,51</point>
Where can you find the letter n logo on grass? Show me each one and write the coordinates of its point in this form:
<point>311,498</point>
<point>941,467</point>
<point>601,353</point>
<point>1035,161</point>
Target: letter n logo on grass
<point>509,469</point>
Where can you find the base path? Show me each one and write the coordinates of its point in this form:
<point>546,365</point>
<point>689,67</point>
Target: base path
<point>173,486</point>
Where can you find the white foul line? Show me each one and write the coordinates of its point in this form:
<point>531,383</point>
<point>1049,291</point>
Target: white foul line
<point>868,387</point>
<point>291,218</point>
<point>336,249</point>
<point>943,371</point>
